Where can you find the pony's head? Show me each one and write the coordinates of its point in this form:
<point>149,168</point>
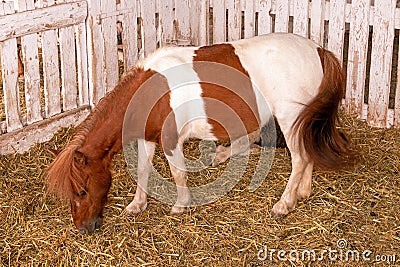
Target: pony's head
<point>85,182</point>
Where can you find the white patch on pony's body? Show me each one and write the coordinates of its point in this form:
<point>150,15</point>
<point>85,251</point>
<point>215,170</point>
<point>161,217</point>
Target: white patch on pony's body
<point>176,64</point>
<point>279,77</point>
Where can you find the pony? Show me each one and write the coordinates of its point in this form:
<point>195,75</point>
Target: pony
<point>230,90</point>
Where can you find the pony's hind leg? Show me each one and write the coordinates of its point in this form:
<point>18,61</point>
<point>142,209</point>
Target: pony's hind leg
<point>299,184</point>
<point>238,146</point>
<point>178,171</point>
<point>145,156</point>
<point>304,190</point>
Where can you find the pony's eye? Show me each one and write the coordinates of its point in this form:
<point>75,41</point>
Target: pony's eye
<point>82,193</point>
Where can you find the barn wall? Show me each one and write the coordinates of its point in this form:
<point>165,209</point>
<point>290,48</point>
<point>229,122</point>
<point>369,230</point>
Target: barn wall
<point>75,51</point>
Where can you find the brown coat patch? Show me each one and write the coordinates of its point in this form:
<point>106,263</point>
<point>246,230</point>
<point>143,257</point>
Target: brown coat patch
<point>230,102</point>
<point>99,136</point>
<point>149,115</point>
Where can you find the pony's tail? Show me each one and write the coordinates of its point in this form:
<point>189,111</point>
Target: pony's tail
<point>325,145</point>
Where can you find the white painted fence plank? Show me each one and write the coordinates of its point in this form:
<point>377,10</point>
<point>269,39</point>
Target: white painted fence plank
<point>109,29</point>
<point>282,16</point>
<point>317,21</point>
<point>82,65</point>
<point>234,19</point>
<point>95,53</point>
<point>182,19</point>
<point>29,46</point>
<point>51,75</point>
<point>9,66</point>
<point>68,68</point>
<point>219,21</point>
<point>337,27</point>
<point>396,121</point>
<point>203,28</point>
<point>264,18</point>
<point>166,15</point>
<point>381,59</point>
<point>198,26</point>
<point>129,34</point>
<point>249,19</point>
<point>357,57</point>
<point>33,21</point>
<point>149,35</point>
<point>300,17</point>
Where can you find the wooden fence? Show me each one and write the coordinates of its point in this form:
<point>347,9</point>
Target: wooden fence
<point>73,55</point>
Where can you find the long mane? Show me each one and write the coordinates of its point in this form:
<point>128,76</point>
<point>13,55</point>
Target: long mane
<point>64,175</point>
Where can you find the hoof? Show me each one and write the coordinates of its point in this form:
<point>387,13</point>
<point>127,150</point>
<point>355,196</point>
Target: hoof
<point>220,156</point>
<point>279,210</point>
<point>176,210</point>
<point>135,208</point>
<point>303,193</point>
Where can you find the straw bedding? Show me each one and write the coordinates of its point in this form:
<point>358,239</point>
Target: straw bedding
<point>360,205</point>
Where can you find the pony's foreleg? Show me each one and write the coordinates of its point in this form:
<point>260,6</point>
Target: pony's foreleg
<point>145,156</point>
<point>178,171</point>
<point>238,146</point>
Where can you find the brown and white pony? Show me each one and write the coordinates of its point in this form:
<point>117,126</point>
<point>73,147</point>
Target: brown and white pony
<point>301,83</point>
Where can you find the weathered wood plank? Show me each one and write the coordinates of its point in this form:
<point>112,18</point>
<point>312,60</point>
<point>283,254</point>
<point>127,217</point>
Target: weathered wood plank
<point>219,21</point>
<point>249,19</point>
<point>51,75</point>
<point>34,21</point>
<point>337,27</point>
<point>300,17</point>
<point>166,15</point>
<point>82,65</point>
<point>182,19</point>
<point>68,68</point>
<point>69,89</point>
<point>396,121</point>
<point>282,16</point>
<point>198,26</point>
<point>95,53</point>
<point>9,67</point>
<point>109,29</point>
<point>317,21</point>
<point>29,47</point>
<point>42,131</point>
<point>357,57</point>
<point>203,28</point>
<point>129,33</point>
<point>234,19</point>
<point>149,36</point>
<point>264,18</point>
<point>381,61</point>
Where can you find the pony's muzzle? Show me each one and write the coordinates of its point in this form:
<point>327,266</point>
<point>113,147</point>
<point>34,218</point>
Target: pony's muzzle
<point>88,227</point>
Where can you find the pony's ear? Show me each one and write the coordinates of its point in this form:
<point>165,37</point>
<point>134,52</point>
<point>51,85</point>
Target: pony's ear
<point>55,152</point>
<point>80,158</point>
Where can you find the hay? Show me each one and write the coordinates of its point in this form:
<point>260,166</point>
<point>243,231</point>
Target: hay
<point>360,205</point>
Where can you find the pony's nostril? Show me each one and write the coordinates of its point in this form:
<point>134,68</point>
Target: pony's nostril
<point>83,230</point>
<point>97,224</point>
<point>88,227</point>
